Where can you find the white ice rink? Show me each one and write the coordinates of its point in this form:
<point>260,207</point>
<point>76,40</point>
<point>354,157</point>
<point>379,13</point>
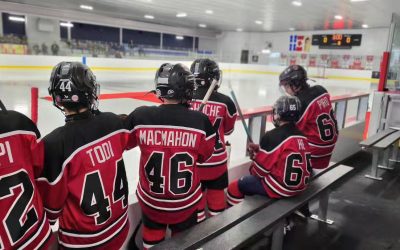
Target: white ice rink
<point>252,90</point>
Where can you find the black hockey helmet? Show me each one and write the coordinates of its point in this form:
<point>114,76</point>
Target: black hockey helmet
<point>286,108</point>
<point>294,76</point>
<point>174,81</point>
<point>73,85</point>
<point>205,71</point>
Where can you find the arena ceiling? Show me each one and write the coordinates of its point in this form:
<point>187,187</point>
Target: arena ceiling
<point>246,15</point>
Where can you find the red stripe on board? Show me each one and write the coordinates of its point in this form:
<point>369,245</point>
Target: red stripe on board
<point>144,96</point>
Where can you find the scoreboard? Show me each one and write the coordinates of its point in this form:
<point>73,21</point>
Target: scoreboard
<point>336,41</point>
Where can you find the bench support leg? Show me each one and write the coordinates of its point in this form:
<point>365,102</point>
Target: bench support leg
<point>277,236</point>
<point>323,209</point>
<point>385,160</point>
<point>374,166</point>
<point>395,152</point>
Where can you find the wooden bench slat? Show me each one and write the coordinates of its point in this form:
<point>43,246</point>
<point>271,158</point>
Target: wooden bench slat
<point>376,137</point>
<point>196,236</point>
<point>387,141</point>
<point>267,218</point>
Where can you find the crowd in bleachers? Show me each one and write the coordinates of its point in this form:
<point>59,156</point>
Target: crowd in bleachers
<point>13,39</point>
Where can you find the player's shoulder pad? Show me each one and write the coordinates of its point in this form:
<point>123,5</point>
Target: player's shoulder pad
<point>228,102</point>
<point>274,138</point>
<point>17,121</point>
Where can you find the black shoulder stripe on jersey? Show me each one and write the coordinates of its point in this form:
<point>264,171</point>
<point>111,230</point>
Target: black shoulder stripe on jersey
<point>13,120</point>
<point>53,177</point>
<point>306,106</point>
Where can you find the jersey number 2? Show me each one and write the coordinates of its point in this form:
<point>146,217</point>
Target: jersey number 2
<point>21,215</point>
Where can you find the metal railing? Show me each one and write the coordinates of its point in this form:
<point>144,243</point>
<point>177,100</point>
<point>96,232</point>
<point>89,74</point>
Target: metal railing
<point>259,117</point>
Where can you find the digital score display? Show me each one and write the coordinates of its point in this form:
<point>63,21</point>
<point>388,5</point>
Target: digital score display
<point>336,41</point>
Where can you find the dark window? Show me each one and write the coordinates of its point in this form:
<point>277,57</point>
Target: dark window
<point>137,37</point>
<point>12,27</point>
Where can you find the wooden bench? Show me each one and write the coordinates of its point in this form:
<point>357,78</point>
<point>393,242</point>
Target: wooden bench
<point>255,214</point>
<point>383,141</point>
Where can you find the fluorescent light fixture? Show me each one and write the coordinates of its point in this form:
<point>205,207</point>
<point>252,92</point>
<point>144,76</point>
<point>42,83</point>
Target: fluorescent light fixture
<point>86,7</point>
<point>239,29</point>
<point>148,16</point>
<point>266,51</point>
<point>210,12</point>
<point>297,3</point>
<point>292,29</point>
<point>358,0</point>
<point>16,18</point>
<point>67,24</point>
<point>338,17</point>
<point>182,14</point>
<point>179,37</point>
<point>258,22</point>
<point>202,25</point>
<point>365,26</point>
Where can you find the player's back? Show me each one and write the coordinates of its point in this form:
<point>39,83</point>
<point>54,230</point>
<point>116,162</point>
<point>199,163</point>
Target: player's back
<point>84,181</point>
<point>283,161</point>
<point>25,225</point>
<point>222,113</point>
<point>318,124</point>
<point>172,139</point>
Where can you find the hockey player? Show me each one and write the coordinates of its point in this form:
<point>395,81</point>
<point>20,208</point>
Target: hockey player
<point>84,182</point>
<point>317,120</point>
<point>172,140</point>
<point>25,225</point>
<point>222,113</point>
<point>281,163</point>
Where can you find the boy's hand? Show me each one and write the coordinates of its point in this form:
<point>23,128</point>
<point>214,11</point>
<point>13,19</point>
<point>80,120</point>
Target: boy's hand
<point>253,150</point>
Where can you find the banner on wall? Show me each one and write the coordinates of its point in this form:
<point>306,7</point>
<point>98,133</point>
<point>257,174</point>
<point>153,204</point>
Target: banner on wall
<point>16,49</point>
<point>299,43</point>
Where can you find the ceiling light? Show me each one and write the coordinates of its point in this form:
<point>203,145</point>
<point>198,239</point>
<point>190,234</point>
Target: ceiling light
<point>239,29</point>
<point>292,29</point>
<point>202,25</point>
<point>338,17</point>
<point>182,14</point>
<point>266,51</point>
<point>258,22</point>
<point>16,18</point>
<point>148,16</point>
<point>179,37</point>
<point>210,12</point>
<point>365,26</point>
<point>67,24</point>
<point>297,3</point>
<point>86,7</point>
<point>358,0</point>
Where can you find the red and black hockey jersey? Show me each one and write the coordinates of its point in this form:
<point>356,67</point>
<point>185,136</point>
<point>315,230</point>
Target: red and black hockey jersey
<point>172,140</point>
<point>318,124</point>
<point>283,161</point>
<point>24,223</point>
<point>84,182</point>
<point>222,113</point>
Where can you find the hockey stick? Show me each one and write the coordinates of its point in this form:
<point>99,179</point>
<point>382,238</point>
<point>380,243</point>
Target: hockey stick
<point>240,113</point>
<point>208,94</point>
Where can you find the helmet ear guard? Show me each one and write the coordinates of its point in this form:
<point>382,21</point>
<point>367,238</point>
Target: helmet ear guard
<point>205,72</point>
<point>73,86</point>
<point>174,82</point>
<point>287,109</point>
